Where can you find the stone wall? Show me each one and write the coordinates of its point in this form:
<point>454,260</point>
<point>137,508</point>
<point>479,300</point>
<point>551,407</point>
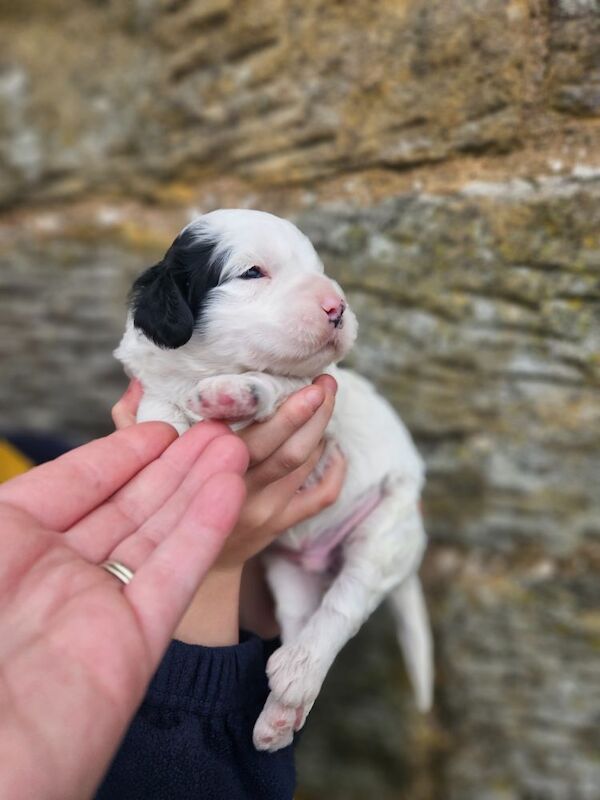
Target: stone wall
<point>444,157</point>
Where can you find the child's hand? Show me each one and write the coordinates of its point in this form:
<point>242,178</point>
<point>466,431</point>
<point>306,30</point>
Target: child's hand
<point>283,452</point>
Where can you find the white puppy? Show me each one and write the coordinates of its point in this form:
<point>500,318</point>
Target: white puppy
<point>236,317</point>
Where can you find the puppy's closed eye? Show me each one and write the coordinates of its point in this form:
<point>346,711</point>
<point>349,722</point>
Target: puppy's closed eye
<point>253,272</point>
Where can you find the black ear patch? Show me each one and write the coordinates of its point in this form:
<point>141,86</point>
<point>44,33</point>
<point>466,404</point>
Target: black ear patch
<point>167,300</point>
<point>160,308</point>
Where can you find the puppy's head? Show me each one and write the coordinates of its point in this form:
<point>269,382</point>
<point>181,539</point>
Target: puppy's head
<point>245,289</point>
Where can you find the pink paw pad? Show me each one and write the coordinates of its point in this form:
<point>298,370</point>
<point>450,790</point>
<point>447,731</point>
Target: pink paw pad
<point>231,402</point>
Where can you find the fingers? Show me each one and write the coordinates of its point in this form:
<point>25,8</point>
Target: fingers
<point>285,488</point>
<point>95,536</point>
<point>262,513</point>
<point>264,438</point>
<point>296,449</point>
<point>314,499</point>
<point>125,409</point>
<point>92,474</point>
<point>225,454</point>
<point>165,584</point>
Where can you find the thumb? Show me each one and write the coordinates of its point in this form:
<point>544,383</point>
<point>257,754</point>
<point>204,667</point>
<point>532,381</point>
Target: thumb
<point>125,409</point>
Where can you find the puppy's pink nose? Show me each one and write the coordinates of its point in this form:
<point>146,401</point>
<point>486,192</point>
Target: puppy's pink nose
<point>334,307</point>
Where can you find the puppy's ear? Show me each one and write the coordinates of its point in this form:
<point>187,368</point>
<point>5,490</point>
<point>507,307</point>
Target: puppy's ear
<point>169,299</point>
<point>159,301</point>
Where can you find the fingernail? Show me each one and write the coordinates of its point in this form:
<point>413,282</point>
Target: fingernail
<point>328,384</point>
<point>314,398</point>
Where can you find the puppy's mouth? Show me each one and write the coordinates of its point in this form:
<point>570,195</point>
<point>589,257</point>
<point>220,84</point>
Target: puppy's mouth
<point>334,342</point>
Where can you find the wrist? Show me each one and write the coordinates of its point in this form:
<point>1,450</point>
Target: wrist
<point>212,618</point>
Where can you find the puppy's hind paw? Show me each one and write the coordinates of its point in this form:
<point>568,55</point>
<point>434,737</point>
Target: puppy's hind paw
<point>276,724</point>
<point>295,676</point>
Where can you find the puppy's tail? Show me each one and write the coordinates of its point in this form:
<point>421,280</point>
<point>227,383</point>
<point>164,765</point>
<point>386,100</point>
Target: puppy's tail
<point>414,637</point>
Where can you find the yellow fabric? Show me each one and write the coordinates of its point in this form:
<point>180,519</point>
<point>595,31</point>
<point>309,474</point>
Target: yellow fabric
<point>12,462</point>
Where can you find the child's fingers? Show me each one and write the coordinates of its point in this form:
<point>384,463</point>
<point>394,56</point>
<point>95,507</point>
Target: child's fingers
<point>296,449</point>
<point>264,438</point>
<point>314,499</point>
<point>283,491</point>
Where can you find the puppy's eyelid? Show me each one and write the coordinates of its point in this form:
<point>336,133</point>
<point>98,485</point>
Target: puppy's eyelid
<point>254,272</point>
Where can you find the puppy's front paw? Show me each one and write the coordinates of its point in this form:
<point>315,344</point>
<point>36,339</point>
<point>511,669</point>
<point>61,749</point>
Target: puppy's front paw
<point>225,397</point>
<point>295,676</point>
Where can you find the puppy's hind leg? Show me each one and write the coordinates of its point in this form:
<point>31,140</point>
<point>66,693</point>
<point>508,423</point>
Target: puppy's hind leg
<point>381,553</point>
<point>297,593</point>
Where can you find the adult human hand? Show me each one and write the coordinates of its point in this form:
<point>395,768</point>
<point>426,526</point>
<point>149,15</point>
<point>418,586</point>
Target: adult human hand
<point>77,647</point>
<point>283,452</point>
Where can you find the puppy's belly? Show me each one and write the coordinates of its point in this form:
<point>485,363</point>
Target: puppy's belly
<point>320,552</point>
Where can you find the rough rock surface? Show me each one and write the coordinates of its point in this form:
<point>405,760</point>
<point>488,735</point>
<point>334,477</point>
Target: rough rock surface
<point>445,159</point>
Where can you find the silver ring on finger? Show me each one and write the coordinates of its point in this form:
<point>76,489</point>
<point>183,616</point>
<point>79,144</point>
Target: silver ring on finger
<point>119,571</point>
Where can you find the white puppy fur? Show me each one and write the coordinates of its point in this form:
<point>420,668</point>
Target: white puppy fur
<point>237,316</point>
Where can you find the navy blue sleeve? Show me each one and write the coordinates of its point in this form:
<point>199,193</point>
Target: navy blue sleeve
<point>192,735</point>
